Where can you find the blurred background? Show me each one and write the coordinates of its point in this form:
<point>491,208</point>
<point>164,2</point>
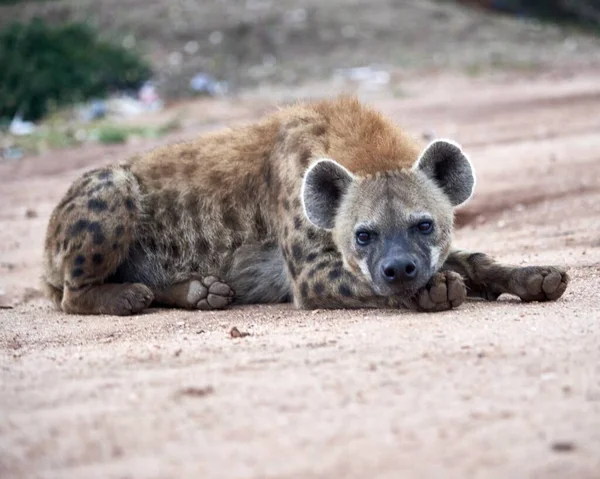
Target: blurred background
<point>72,69</point>
<point>491,388</point>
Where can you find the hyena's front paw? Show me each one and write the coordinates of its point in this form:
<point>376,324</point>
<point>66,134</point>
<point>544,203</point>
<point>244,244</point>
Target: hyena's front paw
<point>539,283</point>
<point>209,293</point>
<point>446,290</point>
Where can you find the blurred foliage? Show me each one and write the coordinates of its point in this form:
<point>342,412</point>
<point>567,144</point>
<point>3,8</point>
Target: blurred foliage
<point>45,67</point>
<point>582,12</point>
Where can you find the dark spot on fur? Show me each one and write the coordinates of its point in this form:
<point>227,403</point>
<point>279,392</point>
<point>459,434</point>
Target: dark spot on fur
<point>286,231</point>
<point>150,244</point>
<point>129,203</point>
<point>65,244</point>
<point>319,130</point>
<point>201,245</point>
<point>96,229</point>
<point>85,183</point>
<point>190,168</point>
<point>318,288</point>
<point>119,230</point>
<point>286,204</point>
<point>334,274</point>
<point>297,252</point>
<point>321,265</point>
<point>304,289</point>
<point>76,272</point>
<point>58,247</point>
<point>262,229</point>
<point>345,290</point>
<point>230,219</point>
<point>79,227</point>
<point>69,208</point>
<point>97,205</point>
<point>297,222</point>
<point>57,230</point>
<point>115,246</point>
<point>318,267</point>
<point>311,257</point>
<point>267,173</point>
<point>155,174</point>
<point>215,180</point>
<point>98,258</point>
<point>191,202</point>
<point>297,203</point>
<point>310,234</point>
<point>305,157</point>
<point>269,245</point>
<point>175,249</point>
<point>79,260</point>
<point>168,169</point>
<point>105,174</point>
<point>329,250</point>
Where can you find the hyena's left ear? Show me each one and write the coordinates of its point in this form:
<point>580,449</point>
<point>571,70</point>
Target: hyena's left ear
<point>444,162</point>
<point>323,187</point>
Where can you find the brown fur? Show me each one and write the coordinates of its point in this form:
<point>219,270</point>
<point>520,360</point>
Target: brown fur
<point>162,226</point>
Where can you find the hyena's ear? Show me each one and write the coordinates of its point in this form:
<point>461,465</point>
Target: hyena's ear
<point>444,162</point>
<point>323,186</point>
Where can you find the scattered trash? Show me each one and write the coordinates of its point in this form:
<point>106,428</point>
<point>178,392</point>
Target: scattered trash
<point>18,127</point>
<point>12,153</point>
<point>205,84</point>
<point>148,96</point>
<point>94,110</point>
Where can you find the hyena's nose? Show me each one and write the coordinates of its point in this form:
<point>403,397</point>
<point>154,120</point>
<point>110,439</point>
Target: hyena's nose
<point>399,269</point>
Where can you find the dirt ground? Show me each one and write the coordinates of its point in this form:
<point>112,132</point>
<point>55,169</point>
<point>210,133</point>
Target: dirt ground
<point>489,390</point>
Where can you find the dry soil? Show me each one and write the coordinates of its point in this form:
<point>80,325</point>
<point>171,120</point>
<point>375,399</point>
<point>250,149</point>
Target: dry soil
<point>500,389</point>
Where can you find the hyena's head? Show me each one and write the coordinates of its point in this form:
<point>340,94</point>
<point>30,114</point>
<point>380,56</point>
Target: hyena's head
<point>395,227</point>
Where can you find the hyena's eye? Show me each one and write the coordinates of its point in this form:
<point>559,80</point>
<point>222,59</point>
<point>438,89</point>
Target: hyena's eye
<point>363,238</point>
<point>425,227</point>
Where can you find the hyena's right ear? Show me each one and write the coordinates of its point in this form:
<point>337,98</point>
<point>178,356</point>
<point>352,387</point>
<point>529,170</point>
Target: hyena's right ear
<point>445,163</point>
<point>323,186</point>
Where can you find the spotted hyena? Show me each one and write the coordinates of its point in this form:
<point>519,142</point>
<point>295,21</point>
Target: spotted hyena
<point>325,204</point>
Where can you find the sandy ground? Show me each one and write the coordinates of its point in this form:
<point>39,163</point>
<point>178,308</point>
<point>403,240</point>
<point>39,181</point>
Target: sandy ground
<point>490,390</point>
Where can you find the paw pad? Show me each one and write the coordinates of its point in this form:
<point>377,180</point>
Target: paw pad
<point>446,290</point>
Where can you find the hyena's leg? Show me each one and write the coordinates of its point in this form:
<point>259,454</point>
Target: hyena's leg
<point>89,236</point>
<point>327,284</point>
<point>488,279</point>
<point>196,293</point>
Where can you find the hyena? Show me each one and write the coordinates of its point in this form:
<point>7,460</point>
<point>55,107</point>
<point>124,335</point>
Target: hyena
<point>327,204</point>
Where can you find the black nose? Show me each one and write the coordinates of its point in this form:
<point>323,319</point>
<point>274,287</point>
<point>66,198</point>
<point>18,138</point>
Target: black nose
<point>400,269</point>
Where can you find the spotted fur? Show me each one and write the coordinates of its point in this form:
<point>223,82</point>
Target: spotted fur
<point>163,227</point>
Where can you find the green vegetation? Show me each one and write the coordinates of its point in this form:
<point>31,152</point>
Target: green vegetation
<point>57,133</point>
<point>581,12</point>
<point>45,67</point>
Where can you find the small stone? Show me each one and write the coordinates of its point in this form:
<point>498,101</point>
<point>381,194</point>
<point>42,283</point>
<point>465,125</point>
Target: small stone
<point>236,333</point>
<point>563,446</point>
